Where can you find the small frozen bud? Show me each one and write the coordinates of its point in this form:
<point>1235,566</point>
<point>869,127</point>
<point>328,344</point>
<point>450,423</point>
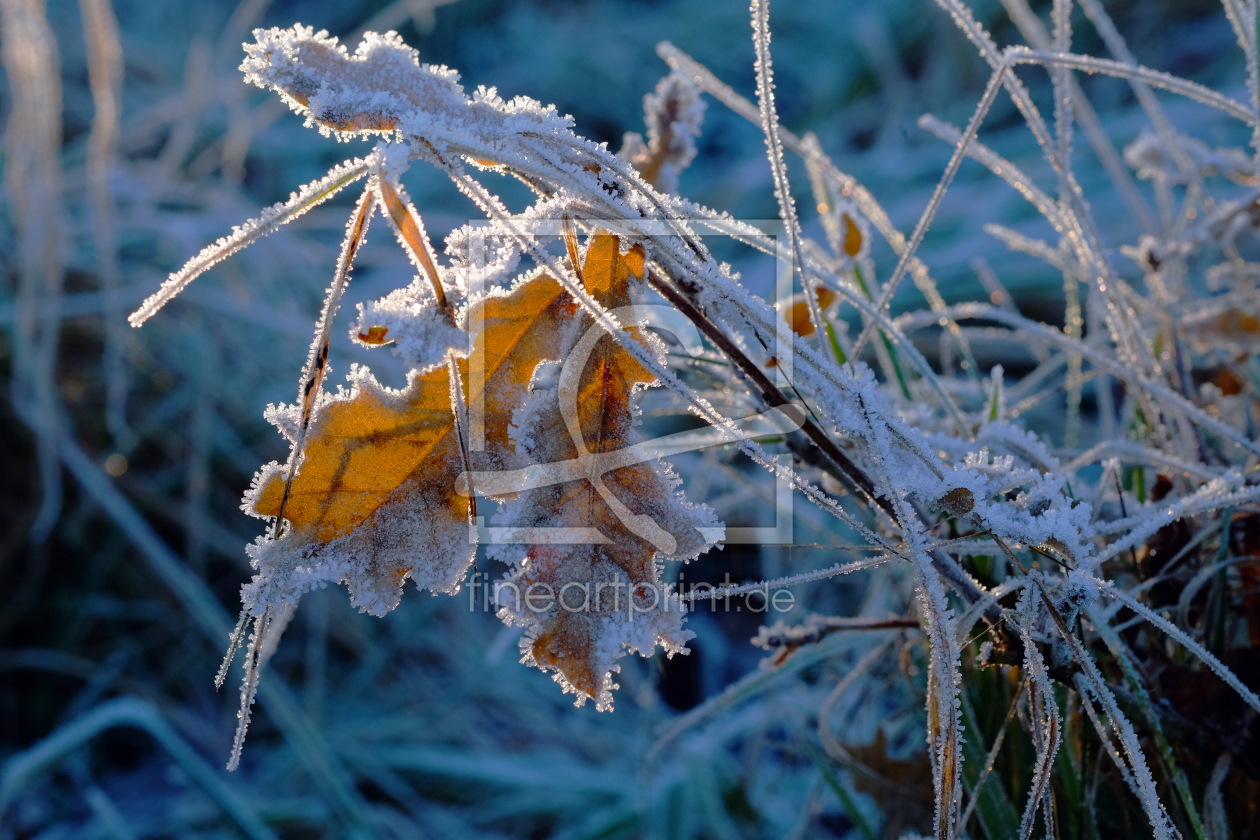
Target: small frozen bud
<point>848,232</point>
<point>409,318</point>
<point>957,502</point>
<point>798,312</point>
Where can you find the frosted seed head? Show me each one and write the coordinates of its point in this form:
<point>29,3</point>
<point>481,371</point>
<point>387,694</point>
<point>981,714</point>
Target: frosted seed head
<point>673,114</point>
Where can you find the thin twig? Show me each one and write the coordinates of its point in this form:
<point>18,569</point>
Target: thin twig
<point>768,390</point>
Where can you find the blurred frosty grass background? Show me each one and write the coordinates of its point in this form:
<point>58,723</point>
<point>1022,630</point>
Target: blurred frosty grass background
<point>422,723</point>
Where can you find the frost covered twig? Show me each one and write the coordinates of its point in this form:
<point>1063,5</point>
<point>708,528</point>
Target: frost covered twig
<point>778,167</point>
<point>271,220</point>
<point>929,212</point>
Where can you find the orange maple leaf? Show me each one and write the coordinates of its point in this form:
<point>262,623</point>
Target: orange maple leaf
<point>374,500</point>
<point>606,597</point>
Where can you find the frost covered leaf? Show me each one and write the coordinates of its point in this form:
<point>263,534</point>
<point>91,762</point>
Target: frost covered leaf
<point>608,594</point>
<point>375,499</point>
<point>411,235</point>
<point>315,73</point>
